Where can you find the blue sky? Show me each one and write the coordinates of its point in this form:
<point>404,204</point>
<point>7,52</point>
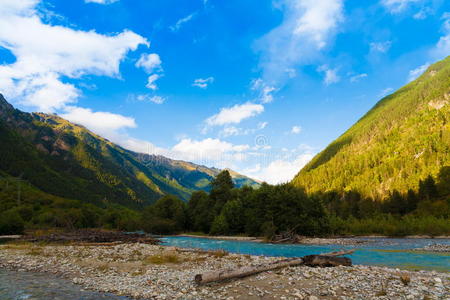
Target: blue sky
<point>259,86</point>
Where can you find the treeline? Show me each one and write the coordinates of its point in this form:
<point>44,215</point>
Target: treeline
<point>226,210</point>
<point>273,209</point>
<point>24,207</point>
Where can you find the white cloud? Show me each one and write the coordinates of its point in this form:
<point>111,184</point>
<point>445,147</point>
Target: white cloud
<point>149,62</point>
<point>413,74</point>
<point>208,150</point>
<point>101,1</point>
<point>442,48</point>
<point>235,131</point>
<point>280,170</point>
<point>103,123</point>
<point>235,114</point>
<point>45,53</point>
<point>230,131</point>
<point>296,129</point>
<point>307,28</point>
<point>331,75</point>
<point>181,22</point>
<point>203,82</point>
<point>265,91</point>
<point>381,47</point>
<point>423,13</point>
<point>358,77</point>
<point>262,125</point>
<point>157,99</point>
<point>397,6</point>
<point>148,98</point>
<point>386,92</point>
<point>151,82</point>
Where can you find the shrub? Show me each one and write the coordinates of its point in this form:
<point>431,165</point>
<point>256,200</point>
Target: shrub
<point>11,223</point>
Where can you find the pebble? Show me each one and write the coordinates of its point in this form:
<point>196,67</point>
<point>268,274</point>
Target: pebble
<point>124,270</point>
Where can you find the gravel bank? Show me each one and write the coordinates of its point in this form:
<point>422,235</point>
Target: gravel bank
<point>158,272</point>
<point>440,248</point>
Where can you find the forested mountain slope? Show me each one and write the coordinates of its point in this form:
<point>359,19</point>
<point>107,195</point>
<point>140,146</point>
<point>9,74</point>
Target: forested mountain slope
<point>67,160</point>
<point>404,138</point>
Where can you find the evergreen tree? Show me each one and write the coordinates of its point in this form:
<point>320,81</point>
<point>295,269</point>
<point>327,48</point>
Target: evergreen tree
<point>427,189</point>
<point>221,187</point>
<point>411,200</point>
<point>167,215</point>
<point>443,185</point>
<point>201,214</point>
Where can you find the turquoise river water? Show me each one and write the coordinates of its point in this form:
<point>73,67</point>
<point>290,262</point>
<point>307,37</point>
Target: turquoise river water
<point>389,252</point>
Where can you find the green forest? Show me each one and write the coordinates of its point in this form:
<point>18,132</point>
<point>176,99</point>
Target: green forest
<point>227,210</point>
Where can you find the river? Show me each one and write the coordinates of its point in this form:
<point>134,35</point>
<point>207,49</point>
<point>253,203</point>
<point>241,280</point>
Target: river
<point>390,252</point>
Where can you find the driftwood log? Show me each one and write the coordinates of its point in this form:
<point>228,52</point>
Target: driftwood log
<point>326,261</point>
<point>245,271</point>
<point>323,260</point>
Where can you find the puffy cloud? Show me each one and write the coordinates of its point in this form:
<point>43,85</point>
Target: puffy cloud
<point>307,27</point>
<point>45,53</point>
<point>181,22</point>
<point>331,75</point>
<point>203,82</point>
<point>397,6</point>
<point>235,114</point>
<point>442,48</point>
<point>279,170</point>
<point>101,1</point>
<point>296,129</point>
<point>151,82</point>
<point>413,74</point>
<point>103,123</point>
<point>149,62</point>
<point>209,151</point>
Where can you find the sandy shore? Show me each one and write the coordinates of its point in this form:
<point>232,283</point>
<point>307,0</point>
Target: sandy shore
<point>158,272</point>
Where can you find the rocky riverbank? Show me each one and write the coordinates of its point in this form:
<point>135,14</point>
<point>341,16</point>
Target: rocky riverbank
<point>159,272</point>
<point>439,248</point>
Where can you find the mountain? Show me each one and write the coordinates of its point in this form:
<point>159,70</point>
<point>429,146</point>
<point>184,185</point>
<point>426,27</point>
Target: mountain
<point>67,160</point>
<point>404,138</point>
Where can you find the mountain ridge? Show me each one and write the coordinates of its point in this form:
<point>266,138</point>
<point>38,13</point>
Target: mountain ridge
<point>82,164</point>
<point>401,140</point>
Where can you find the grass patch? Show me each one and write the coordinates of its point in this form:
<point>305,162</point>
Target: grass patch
<point>160,259</point>
<point>219,253</point>
<point>36,251</point>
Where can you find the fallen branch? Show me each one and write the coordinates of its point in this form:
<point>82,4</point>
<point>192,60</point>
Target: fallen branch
<point>245,271</point>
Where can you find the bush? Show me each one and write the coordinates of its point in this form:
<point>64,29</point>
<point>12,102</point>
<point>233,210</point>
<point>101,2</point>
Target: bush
<point>220,225</point>
<point>11,223</point>
<point>160,226</point>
